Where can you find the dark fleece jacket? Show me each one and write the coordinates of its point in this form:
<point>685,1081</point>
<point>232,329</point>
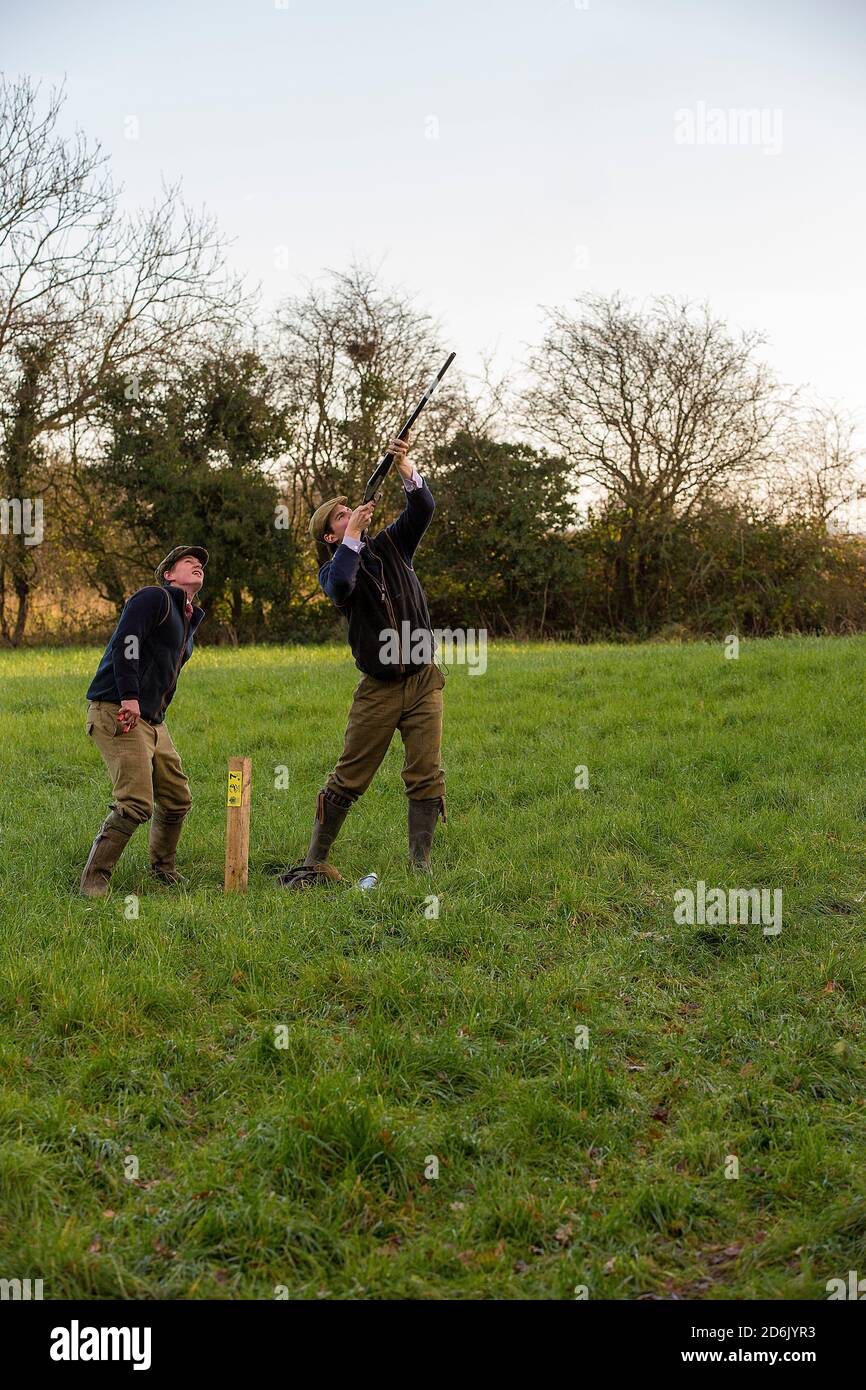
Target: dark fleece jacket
<point>147,668</point>
<point>377,589</point>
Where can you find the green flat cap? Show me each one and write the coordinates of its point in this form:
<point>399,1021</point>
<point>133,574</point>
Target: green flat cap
<point>177,554</point>
<point>322,515</point>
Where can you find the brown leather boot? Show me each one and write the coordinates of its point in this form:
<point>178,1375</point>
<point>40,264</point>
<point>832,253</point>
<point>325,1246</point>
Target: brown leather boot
<point>331,811</point>
<point>105,851</point>
<point>422,827</point>
<point>165,828</point>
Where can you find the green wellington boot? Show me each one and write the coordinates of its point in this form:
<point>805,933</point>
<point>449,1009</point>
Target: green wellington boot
<point>105,851</point>
<point>165,828</point>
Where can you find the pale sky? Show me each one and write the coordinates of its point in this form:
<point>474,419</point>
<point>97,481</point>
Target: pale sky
<point>493,157</point>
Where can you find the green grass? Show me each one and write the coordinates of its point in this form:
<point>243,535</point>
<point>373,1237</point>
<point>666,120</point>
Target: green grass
<point>410,1036</point>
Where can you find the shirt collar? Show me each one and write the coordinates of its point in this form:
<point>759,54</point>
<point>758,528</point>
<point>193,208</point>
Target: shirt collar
<point>179,598</point>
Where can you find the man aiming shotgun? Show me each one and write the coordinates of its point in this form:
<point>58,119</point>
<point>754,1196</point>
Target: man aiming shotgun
<point>371,580</point>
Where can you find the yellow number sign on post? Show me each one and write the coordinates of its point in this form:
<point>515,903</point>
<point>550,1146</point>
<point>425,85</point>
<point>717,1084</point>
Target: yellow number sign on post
<point>238,825</point>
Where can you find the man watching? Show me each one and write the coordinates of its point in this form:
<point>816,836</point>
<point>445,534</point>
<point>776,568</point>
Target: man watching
<point>133,686</point>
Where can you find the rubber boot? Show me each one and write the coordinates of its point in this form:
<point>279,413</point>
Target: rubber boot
<point>105,851</point>
<point>331,811</point>
<point>165,828</point>
<point>422,827</point>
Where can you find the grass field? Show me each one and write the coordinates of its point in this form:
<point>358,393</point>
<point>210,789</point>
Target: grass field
<point>409,1036</point>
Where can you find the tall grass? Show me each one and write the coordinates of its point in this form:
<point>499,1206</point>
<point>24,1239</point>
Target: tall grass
<point>156,1143</point>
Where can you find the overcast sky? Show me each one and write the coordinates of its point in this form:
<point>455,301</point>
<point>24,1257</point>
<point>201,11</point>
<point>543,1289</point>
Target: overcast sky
<point>494,157</point>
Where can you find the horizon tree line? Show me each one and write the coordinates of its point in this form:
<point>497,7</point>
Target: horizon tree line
<point>143,394</point>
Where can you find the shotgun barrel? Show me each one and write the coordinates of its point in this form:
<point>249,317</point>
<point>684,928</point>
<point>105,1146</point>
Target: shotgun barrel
<point>371,491</point>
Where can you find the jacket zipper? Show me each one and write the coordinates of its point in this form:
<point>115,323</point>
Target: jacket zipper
<point>386,599</point>
<point>178,666</point>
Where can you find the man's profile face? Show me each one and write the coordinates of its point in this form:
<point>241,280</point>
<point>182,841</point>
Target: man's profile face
<point>188,572</point>
<point>337,523</point>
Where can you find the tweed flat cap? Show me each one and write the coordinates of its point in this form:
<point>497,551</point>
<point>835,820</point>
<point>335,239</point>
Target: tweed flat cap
<point>177,554</point>
<point>322,515</point>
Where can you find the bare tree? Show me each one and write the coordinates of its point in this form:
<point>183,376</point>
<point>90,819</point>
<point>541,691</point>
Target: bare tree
<point>85,293</point>
<point>354,359</point>
<point>818,473</point>
<point>658,411</point>
<point>57,205</point>
<point>657,408</point>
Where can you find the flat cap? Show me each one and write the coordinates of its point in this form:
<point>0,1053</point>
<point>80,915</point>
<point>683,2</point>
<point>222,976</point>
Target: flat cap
<point>177,554</point>
<point>322,515</point>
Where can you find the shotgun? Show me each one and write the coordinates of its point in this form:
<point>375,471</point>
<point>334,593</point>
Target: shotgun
<point>371,491</point>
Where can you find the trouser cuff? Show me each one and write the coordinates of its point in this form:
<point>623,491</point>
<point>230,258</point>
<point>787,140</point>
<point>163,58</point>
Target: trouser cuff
<point>170,817</point>
<point>342,803</point>
<point>437,801</point>
<point>124,825</point>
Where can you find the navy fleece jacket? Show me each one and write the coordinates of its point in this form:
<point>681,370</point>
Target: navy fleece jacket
<point>152,642</point>
<point>377,590</point>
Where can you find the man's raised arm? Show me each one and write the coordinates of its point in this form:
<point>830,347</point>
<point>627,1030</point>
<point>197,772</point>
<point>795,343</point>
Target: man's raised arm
<point>410,525</point>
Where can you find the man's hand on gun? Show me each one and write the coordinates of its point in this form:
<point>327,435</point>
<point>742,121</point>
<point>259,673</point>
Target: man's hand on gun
<point>359,520</point>
<point>400,448</point>
<point>362,516</point>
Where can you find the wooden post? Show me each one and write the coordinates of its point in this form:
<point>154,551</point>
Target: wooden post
<point>238,825</point>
